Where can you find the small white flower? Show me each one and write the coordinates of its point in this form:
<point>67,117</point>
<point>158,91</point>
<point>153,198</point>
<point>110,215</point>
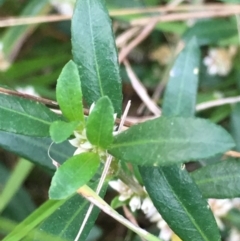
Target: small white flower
<point>124,190</point>
<point>152,214</point>
<point>234,235</point>
<point>91,107</point>
<point>64,6</point>
<point>220,207</point>
<point>219,60</point>
<point>27,90</point>
<point>135,203</point>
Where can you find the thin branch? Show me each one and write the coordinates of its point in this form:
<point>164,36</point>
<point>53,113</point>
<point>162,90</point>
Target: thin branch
<point>130,217</point>
<point>123,38</point>
<point>91,196</point>
<point>143,34</point>
<point>104,174</point>
<point>15,21</point>
<point>185,16</point>
<point>214,103</point>
<point>140,90</point>
<point>233,154</point>
<point>50,103</point>
<point>54,104</point>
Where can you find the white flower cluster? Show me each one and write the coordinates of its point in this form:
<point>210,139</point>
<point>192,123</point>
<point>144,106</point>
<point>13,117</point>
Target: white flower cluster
<point>219,207</point>
<point>219,60</point>
<point>83,144</point>
<point>4,64</point>
<point>146,205</point>
<point>64,6</point>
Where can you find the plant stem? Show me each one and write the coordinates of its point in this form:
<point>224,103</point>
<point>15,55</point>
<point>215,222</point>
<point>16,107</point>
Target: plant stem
<point>91,196</point>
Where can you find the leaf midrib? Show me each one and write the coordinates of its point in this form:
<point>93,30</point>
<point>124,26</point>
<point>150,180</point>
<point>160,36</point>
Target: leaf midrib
<point>94,50</point>
<point>25,115</point>
<point>183,206</point>
<point>172,141</point>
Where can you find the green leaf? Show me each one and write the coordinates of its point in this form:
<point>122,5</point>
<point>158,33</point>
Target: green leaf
<point>34,219</point>
<point>69,93</point>
<point>180,94</point>
<point>60,130</point>
<point>220,180</point>
<point>100,123</point>
<point>35,149</point>
<point>14,182</point>
<point>73,174</point>
<point>168,140</point>
<point>180,89</point>
<point>94,51</point>
<point>197,223</point>
<point>235,127</point>
<point>26,117</point>
<point>14,37</point>
<point>21,204</point>
<point>211,31</point>
<point>69,217</point>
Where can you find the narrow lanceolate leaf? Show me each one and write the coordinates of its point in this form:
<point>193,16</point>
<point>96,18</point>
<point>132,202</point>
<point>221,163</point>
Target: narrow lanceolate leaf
<point>212,30</point>
<point>60,130</point>
<point>69,217</point>
<point>235,127</point>
<point>168,140</point>
<point>100,123</point>
<point>94,52</point>
<point>25,117</point>
<point>197,223</point>
<point>179,100</point>
<point>220,180</point>
<point>74,173</point>
<point>180,94</point>
<point>36,149</point>
<point>69,93</point>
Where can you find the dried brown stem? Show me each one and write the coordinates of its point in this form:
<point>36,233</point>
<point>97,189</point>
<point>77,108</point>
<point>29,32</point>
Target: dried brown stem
<point>15,21</point>
<point>185,16</point>
<point>50,103</point>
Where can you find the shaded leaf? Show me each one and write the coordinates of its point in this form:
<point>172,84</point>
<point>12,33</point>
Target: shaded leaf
<point>99,128</point>
<point>169,140</point>
<point>94,52</point>
<point>26,117</point>
<point>35,149</point>
<point>181,91</point>
<point>21,205</point>
<point>235,125</point>
<point>179,100</point>
<point>69,217</point>
<point>211,31</point>
<point>69,93</point>
<point>60,130</point>
<point>220,180</point>
<point>74,173</point>
<point>34,219</point>
<point>179,199</point>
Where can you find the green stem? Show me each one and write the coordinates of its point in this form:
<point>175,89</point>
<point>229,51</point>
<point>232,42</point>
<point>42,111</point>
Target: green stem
<point>16,179</point>
<point>90,195</point>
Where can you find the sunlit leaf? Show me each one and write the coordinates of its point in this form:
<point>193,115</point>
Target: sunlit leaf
<point>100,123</point>
<point>60,130</point>
<point>168,140</point>
<point>72,174</point>
<point>69,93</point>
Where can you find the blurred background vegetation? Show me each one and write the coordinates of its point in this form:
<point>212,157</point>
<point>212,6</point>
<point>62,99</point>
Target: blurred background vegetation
<point>33,54</point>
